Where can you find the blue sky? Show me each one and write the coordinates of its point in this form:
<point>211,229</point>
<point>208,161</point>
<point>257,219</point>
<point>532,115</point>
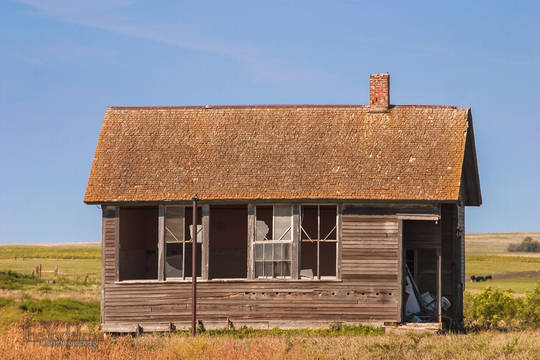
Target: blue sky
<point>63,62</point>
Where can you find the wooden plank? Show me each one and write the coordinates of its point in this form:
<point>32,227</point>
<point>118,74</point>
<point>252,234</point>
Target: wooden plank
<point>295,254</point>
<point>251,241</point>
<point>401,279</point>
<point>117,242</point>
<point>161,243</point>
<point>339,245</point>
<point>205,256</point>
<point>103,220</point>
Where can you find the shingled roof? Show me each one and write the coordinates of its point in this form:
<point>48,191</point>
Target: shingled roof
<point>410,152</point>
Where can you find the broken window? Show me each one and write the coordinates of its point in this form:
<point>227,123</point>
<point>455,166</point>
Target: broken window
<point>179,241</point>
<point>138,243</point>
<point>273,239</point>
<point>318,246</point>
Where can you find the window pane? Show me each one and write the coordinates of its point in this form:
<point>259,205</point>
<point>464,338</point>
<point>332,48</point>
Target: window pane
<point>268,268</point>
<point>309,257</point>
<point>267,251</point>
<point>189,224</point>
<point>277,268</point>
<point>259,251</point>
<point>309,222</point>
<point>263,224</point>
<point>277,252</point>
<point>282,222</point>
<point>328,222</point>
<point>173,265</point>
<point>327,258</point>
<point>188,260</point>
<point>174,224</point>
<point>259,268</point>
<point>286,268</point>
<point>286,255</point>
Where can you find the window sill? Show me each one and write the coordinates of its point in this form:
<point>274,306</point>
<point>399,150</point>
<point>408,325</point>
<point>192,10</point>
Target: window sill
<point>200,280</point>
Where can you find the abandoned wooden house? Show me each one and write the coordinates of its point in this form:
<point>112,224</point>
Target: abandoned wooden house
<point>309,214</point>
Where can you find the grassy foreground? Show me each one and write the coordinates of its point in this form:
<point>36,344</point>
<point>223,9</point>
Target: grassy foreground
<point>15,344</point>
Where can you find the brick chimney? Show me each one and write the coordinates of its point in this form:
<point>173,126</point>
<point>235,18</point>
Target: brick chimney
<point>379,92</point>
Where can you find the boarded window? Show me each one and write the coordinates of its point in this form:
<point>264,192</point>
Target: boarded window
<point>273,240</point>
<point>319,241</point>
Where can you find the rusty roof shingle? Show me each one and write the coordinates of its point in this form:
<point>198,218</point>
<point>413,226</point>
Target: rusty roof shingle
<point>279,152</point>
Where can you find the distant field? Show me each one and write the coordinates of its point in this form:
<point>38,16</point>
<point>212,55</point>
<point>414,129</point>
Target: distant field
<point>52,251</point>
<point>78,277</point>
<point>495,243</point>
<point>486,254</point>
<point>518,285</point>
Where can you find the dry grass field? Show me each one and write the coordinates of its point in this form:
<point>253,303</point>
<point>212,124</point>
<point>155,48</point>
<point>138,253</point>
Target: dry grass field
<point>495,243</point>
<point>15,344</point>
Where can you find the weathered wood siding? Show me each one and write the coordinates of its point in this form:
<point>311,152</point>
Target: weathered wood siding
<point>110,237</point>
<point>451,266</point>
<point>368,291</point>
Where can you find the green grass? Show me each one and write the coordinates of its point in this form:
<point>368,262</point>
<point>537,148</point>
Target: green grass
<point>71,268</point>
<point>335,329</point>
<point>517,285</point>
<point>68,310</point>
<point>492,264</point>
<point>11,280</point>
<point>9,312</point>
<point>90,251</point>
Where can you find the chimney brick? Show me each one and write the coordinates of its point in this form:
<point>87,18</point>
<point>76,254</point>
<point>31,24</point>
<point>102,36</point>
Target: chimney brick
<point>379,92</point>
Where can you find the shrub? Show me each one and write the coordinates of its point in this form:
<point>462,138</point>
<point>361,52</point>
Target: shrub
<point>530,312</point>
<point>530,245</point>
<point>494,308</point>
<point>491,306</point>
<point>527,245</point>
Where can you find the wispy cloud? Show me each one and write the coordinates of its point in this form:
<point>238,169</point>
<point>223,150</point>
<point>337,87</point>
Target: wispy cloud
<point>103,15</point>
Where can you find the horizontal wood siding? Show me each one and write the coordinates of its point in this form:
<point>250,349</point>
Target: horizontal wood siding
<point>451,266</point>
<point>368,292</point>
<point>109,238</point>
<point>370,248</point>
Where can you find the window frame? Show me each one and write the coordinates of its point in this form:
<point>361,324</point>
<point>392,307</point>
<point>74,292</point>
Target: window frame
<point>184,241</point>
<point>295,241</point>
<point>291,241</point>
<point>336,241</point>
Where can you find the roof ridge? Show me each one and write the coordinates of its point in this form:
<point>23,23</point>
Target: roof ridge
<point>267,106</point>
